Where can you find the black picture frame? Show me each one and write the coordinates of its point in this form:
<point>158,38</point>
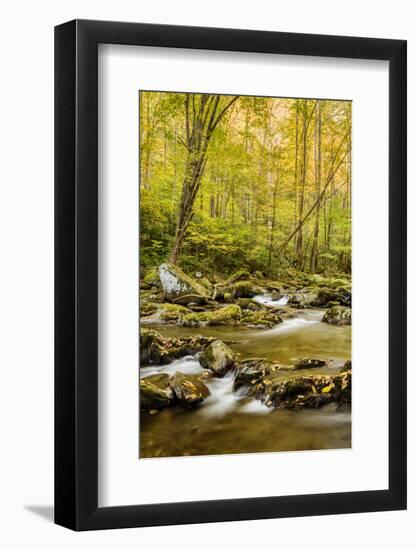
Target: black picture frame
<point>76,272</point>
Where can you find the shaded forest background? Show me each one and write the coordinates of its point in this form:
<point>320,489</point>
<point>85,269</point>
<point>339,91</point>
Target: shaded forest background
<point>231,182</point>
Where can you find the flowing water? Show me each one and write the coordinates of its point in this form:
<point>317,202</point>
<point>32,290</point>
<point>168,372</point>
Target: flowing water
<point>228,422</point>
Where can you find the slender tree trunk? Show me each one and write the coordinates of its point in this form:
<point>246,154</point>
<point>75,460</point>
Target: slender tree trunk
<point>299,241</point>
<point>296,169</point>
<point>271,235</point>
<point>330,213</point>
<point>202,115</point>
<point>330,177</point>
<point>317,154</point>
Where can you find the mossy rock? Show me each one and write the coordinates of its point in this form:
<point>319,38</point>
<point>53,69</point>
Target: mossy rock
<point>152,347</point>
<point>157,350</point>
<point>324,296</point>
<point>223,316</point>
<point>304,391</point>
<point>248,303</point>
<point>174,308</point>
<point>241,289</point>
<point>338,315</point>
<point>151,278</point>
<point>309,363</point>
<point>218,357</point>
<point>251,371</point>
<point>147,308</point>
<point>189,391</point>
<point>237,276</point>
<point>172,312</point>
<point>347,366</point>
<point>156,391</point>
<point>337,283</point>
<point>274,286</point>
<point>261,319</point>
<point>176,283</point>
<point>206,284</point>
<point>306,299</point>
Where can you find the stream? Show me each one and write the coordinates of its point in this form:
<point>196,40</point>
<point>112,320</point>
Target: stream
<point>227,422</point>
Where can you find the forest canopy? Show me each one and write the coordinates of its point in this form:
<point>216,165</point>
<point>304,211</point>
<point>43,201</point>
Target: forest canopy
<point>232,182</point>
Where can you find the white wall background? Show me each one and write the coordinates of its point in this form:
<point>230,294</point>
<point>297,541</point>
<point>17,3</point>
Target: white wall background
<point>26,286</point>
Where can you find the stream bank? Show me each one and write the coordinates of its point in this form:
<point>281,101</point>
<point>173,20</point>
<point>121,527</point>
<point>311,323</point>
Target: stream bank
<point>306,411</point>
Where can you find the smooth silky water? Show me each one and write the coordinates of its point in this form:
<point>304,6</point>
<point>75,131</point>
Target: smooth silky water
<point>227,422</point>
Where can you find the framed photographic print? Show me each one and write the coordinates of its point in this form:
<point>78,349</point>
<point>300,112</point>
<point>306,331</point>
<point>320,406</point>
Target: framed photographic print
<point>230,239</point>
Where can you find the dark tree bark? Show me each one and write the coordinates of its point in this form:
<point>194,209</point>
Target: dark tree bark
<point>317,155</point>
<point>330,177</point>
<point>299,239</point>
<point>202,115</point>
<point>273,221</point>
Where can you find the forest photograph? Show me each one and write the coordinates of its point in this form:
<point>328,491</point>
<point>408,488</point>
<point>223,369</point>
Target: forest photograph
<point>245,301</point>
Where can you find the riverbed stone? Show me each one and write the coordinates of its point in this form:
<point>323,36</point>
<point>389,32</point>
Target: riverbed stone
<point>157,350</point>
<point>147,308</point>
<point>156,391</point>
<point>189,391</point>
<point>239,275</point>
<point>261,319</point>
<point>251,371</point>
<point>347,366</point>
<point>309,363</point>
<point>176,283</point>
<point>218,357</point>
<point>338,315</point>
<point>170,313</point>
<point>227,315</point>
<point>151,278</point>
<point>248,303</point>
<point>304,391</point>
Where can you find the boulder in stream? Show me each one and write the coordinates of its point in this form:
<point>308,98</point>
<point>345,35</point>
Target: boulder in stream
<point>147,308</point>
<point>308,363</point>
<point>189,390</point>
<point>347,366</point>
<point>239,289</point>
<point>262,319</point>
<point>304,391</point>
<point>338,315</point>
<point>157,350</point>
<point>156,391</point>
<point>230,314</point>
<point>218,357</point>
<point>176,283</point>
<point>151,278</point>
<point>251,371</point>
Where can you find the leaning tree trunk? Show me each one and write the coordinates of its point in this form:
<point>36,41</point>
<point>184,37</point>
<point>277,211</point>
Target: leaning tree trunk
<point>190,187</point>
<point>201,119</point>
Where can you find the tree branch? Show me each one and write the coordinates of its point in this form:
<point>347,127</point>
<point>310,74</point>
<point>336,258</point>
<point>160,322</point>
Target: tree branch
<point>315,204</point>
<point>187,119</point>
<point>223,112</point>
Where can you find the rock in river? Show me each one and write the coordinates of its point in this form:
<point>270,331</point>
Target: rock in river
<point>188,390</point>
<point>157,350</point>
<point>305,391</point>
<point>308,363</point>
<point>176,283</point>
<point>227,315</point>
<point>347,366</point>
<point>338,315</point>
<point>218,357</point>
<point>251,371</point>
<point>156,391</point>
